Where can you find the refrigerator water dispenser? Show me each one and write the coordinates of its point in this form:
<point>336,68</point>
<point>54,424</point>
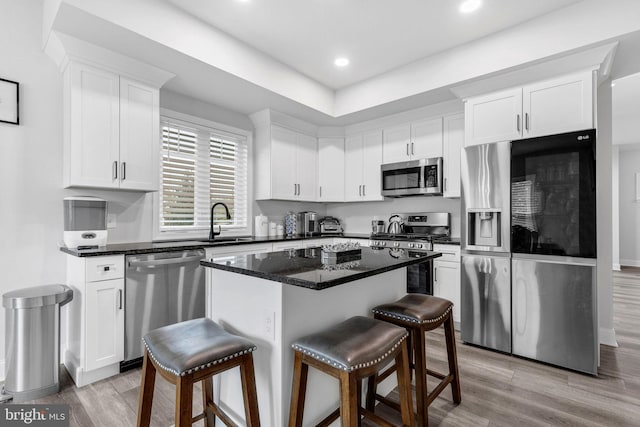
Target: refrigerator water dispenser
<point>484,227</point>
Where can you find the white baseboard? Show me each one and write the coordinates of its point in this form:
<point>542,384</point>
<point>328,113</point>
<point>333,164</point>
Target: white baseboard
<point>608,337</point>
<point>616,267</point>
<point>630,262</point>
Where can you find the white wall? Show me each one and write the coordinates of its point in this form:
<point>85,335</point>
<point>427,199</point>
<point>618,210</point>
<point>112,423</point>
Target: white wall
<point>604,214</point>
<point>629,166</point>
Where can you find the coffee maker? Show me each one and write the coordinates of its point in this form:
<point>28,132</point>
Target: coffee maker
<point>308,224</point>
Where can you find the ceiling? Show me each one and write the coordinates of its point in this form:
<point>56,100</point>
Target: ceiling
<point>278,54</point>
<point>376,35</point>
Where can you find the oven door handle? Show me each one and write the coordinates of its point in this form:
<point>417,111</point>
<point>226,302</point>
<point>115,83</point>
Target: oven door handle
<point>166,261</point>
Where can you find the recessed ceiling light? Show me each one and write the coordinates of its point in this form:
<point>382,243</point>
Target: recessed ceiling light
<point>469,6</point>
<point>341,62</point>
<point>613,84</point>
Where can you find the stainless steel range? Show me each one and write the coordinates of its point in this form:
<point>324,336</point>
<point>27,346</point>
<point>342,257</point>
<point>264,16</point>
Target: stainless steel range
<point>416,232</point>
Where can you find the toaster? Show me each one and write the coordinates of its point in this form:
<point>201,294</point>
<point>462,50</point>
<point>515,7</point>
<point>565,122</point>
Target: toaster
<point>330,225</point>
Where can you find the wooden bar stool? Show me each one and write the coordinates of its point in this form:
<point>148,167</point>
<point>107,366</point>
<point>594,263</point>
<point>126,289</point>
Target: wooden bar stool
<point>418,314</point>
<point>192,351</point>
<point>350,351</point>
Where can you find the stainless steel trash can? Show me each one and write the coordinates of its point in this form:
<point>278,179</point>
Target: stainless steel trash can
<point>32,340</point>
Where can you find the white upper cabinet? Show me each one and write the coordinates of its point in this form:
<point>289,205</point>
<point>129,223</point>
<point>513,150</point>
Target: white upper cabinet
<point>426,139</point>
<point>92,125</point>
<point>561,105</point>
<point>417,140</point>
<point>286,164</point>
<point>558,105</point>
<point>111,130</point>
<point>494,117</point>
<point>307,167</point>
<point>331,182</point>
<point>453,143</point>
<point>283,163</point>
<point>139,136</point>
<point>363,157</point>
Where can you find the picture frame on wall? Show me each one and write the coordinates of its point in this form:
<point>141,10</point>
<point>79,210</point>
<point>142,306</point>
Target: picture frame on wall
<point>9,97</point>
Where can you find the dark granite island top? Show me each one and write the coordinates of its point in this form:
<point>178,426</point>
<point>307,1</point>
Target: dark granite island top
<point>304,267</point>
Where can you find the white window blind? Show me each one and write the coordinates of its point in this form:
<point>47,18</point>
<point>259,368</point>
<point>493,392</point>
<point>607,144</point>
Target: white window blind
<point>201,166</point>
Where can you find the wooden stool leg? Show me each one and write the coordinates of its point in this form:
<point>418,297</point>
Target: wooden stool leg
<point>370,402</point>
<point>421,378</point>
<point>404,385</point>
<point>184,401</point>
<point>450,336</point>
<point>249,391</point>
<point>207,396</point>
<point>145,401</point>
<point>348,400</point>
<point>298,391</point>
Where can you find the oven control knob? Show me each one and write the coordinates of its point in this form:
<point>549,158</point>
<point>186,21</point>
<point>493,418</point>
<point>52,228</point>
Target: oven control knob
<point>396,244</point>
<point>410,245</point>
<point>383,243</point>
<point>419,245</point>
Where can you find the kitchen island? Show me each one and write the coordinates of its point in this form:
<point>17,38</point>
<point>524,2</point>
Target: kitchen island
<point>275,298</point>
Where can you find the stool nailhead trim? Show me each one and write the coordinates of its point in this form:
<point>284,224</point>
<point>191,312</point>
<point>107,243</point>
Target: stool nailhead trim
<point>411,319</point>
<point>345,367</point>
<point>206,365</point>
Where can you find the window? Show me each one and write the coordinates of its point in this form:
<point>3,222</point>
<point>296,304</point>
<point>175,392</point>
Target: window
<point>201,165</point>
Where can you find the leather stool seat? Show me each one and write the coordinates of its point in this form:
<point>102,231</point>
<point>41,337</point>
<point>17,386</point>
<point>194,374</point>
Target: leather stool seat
<point>417,308</point>
<point>419,313</point>
<point>355,343</point>
<point>192,351</point>
<point>188,346</point>
<point>351,351</point>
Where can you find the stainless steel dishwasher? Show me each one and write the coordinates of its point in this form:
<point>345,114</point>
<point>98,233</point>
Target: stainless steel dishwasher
<point>160,289</point>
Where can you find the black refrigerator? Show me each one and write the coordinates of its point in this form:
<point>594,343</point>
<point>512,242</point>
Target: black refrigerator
<point>553,250</point>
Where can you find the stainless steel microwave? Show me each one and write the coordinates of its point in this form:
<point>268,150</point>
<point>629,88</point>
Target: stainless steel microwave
<point>412,178</point>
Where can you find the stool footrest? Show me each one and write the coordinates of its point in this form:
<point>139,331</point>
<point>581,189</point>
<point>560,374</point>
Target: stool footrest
<point>441,386</point>
<point>436,374</point>
<point>221,414</point>
<point>329,419</point>
<point>375,418</point>
<point>390,403</point>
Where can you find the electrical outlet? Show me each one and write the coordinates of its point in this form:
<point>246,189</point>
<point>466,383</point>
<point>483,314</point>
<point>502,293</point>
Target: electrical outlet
<point>111,220</point>
<point>269,320</point>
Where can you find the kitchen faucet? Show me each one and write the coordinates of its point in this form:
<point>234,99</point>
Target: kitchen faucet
<point>213,234</point>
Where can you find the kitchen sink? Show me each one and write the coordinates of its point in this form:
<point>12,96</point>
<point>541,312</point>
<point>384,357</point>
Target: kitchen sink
<point>227,240</point>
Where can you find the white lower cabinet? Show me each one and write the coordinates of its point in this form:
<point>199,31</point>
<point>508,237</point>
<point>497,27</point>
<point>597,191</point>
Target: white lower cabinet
<point>93,322</point>
<point>446,277</point>
<point>105,323</point>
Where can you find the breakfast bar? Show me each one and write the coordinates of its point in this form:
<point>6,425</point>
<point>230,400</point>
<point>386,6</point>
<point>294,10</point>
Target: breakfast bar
<point>275,298</point>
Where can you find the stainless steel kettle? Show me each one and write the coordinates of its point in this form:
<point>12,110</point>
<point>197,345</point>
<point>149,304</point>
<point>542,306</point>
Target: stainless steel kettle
<point>396,224</point>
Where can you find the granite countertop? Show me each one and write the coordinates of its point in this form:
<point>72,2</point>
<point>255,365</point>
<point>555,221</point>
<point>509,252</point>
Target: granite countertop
<point>179,245</point>
<point>304,267</point>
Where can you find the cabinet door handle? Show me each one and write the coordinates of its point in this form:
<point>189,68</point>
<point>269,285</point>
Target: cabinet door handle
<point>359,190</point>
<point>295,189</point>
<point>298,189</point>
<point>114,170</point>
<point>445,184</point>
<point>119,299</point>
<point>526,121</point>
<point>412,148</point>
<point>435,274</point>
<point>123,171</point>
<point>518,122</point>
<point>407,148</point>
<point>321,191</point>
<point>364,189</point>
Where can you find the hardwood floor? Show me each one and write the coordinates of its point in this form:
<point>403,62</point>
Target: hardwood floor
<point>497,390</point>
